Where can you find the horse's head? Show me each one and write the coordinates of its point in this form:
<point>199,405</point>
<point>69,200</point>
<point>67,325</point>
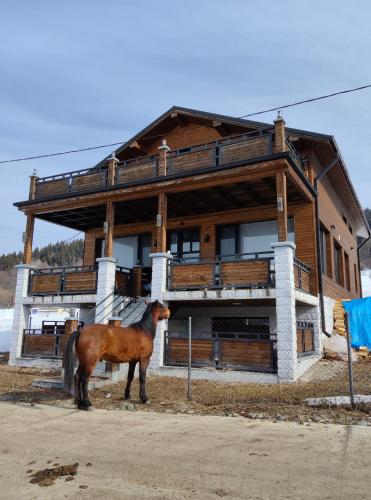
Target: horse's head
<point>158,311</point>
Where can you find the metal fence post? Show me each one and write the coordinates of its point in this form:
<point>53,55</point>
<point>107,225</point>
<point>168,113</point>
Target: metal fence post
<point>350,366</point>
<point>189,391</point>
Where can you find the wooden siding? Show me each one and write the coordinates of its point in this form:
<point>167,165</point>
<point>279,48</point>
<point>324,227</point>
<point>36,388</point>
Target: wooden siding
<point>48,283</point>
<point>38,344</point>
<point>91,181</point>
<point>189,275</point>
<point>202,352</point>
<point>241,352</point>
<point>191,161</point>
<point>331,211</point>
<point>51,188</point>
<point>303,281</point>
<point>239,151</point>
<point>244,272</point>
<point>304,340</point>
<point>82,281</point>
<point>130,173</point>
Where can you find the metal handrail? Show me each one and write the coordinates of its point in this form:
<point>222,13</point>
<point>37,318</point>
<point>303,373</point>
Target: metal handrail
<point>73,173</point>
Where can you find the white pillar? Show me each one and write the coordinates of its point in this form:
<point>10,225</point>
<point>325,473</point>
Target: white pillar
<point>160,262</point>
<point>21,312</point>
<point>285,309</point>
<point>105,288</point>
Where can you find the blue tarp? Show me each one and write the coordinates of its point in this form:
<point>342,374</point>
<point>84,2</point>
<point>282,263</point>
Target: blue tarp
<point>359,311</point>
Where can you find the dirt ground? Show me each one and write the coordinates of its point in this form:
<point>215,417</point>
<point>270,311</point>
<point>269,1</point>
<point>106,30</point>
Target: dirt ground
<point>168,395</point>
<point>135,455</point>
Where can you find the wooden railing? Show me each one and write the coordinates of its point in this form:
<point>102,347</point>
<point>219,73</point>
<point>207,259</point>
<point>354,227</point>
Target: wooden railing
<point>231,351</point>
<point>302,276</point>
<point>218,154</point>
<point>63,280</point>
<point>250,270</point>
<point>47,341</point>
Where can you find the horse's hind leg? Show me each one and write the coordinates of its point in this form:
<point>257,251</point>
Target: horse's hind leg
<point>131,371</point>
<point>83,374</point>
<point>143,365</point>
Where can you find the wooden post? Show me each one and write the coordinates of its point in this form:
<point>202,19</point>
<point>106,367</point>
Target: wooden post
<point>111,166</point>
<point>161,222</point>
<point>108,229</point>
<point>28,237</point>
<point>114,321</point>
<point>70,326</point>
<point>281,206</point>
<point>137,281</point>
<point>32,192</point>
<point>279,134</point>
<point>162,158</point>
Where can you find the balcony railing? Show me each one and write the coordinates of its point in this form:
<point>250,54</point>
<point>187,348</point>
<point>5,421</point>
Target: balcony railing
<point>214,155</point>
<point>249,270</point>
<point>63,280</point>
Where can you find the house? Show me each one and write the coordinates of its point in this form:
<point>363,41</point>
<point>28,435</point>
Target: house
<point>248,228</point>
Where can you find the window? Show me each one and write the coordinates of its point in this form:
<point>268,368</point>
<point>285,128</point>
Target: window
<point>129,251</point>
<point>323,236</point>
<point>246,327</point>
<point>338,263</point>
<point>185,243</point>
<point>347,271</point>
<point>356,277</point>
<point>250,238</point>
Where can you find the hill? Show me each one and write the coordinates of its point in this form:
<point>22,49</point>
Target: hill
<point>52,255</point>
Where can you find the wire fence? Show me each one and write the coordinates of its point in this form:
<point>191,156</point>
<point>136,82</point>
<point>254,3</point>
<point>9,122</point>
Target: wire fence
<point>340,379</point>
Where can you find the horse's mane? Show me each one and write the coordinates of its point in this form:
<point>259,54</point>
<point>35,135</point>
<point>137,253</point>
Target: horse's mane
<point>146,323</point>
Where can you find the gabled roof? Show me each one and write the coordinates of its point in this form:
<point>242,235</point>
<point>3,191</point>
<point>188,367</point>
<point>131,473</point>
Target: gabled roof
<point>314,137</point>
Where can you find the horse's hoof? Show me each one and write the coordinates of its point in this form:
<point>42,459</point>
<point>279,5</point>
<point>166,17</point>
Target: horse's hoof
<point>85,407</point>
<point>146,401</point>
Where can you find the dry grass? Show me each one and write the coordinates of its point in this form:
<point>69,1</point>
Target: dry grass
<point>169,394</point>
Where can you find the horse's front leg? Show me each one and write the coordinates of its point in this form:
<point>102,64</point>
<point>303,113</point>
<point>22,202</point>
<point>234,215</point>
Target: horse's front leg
<point>131,371</point>
<point>143,365</point>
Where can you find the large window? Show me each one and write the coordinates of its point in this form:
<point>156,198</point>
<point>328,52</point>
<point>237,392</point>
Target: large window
<point>323,248</point>
<point>250,238</point>
<point>129,251</point>
<point>185,243</point>
<point>338,263</point>
<point>347,271</point>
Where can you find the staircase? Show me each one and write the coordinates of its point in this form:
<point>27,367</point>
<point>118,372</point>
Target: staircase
<point>133,311</point>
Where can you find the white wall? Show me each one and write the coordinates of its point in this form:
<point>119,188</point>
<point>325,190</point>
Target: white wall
<point>6,321</point>
<point>366,282</point>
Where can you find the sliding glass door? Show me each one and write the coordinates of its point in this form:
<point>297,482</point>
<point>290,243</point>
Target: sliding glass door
<point>242,240</point>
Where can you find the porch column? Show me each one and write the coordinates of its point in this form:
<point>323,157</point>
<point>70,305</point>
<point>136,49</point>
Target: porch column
<point>163,151</point>
<point>21,312</point>
<point>105,288</point>
<point>28,238</point>
<point>160,262</point>
<point>281,206</point>
<point>279,134</point>
<point>285,309</point>
<point>161,223</point>
<point>108,229</point>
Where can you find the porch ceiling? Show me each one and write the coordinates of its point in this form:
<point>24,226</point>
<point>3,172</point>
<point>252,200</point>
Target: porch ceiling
<point>231,197</point>
<point>181,204</point>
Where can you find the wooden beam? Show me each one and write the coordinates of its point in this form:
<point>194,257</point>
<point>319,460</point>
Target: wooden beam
<point>179,119</point>
<point>281,206</point>
<point>28,237</point>
<point>110,217</point>
<point>161,222</point>
<point>222,128</point>
<point>138,148</point>
<point>293,177</point>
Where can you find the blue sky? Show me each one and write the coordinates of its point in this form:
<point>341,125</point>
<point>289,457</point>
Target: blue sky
<point>81,73</point>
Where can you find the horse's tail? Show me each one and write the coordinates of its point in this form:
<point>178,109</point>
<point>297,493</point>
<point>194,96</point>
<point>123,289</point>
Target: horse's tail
<point>69,361</point>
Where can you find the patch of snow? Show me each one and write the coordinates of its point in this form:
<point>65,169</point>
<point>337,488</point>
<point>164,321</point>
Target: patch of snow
<point>338,400</point>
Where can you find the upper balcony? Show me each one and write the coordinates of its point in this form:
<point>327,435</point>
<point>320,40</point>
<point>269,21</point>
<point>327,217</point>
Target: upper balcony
<point>245,149</point>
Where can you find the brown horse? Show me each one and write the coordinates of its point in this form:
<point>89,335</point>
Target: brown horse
<point>115,344</point>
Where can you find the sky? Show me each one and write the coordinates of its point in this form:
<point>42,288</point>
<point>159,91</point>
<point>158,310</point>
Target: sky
<point>86,72</point>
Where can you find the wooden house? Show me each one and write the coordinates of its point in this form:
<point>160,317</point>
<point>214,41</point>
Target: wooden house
<point>248,228</point>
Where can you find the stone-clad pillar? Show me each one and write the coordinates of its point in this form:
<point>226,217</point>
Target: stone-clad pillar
<point>285,309</point>
<point>105,288</point>
<point>160,263</point>
<point>21,312</point>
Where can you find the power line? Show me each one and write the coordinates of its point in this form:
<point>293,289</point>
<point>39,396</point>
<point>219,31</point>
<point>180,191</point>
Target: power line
<point>307,100</point>
<point>72,237</point>
<point>297,103</point>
